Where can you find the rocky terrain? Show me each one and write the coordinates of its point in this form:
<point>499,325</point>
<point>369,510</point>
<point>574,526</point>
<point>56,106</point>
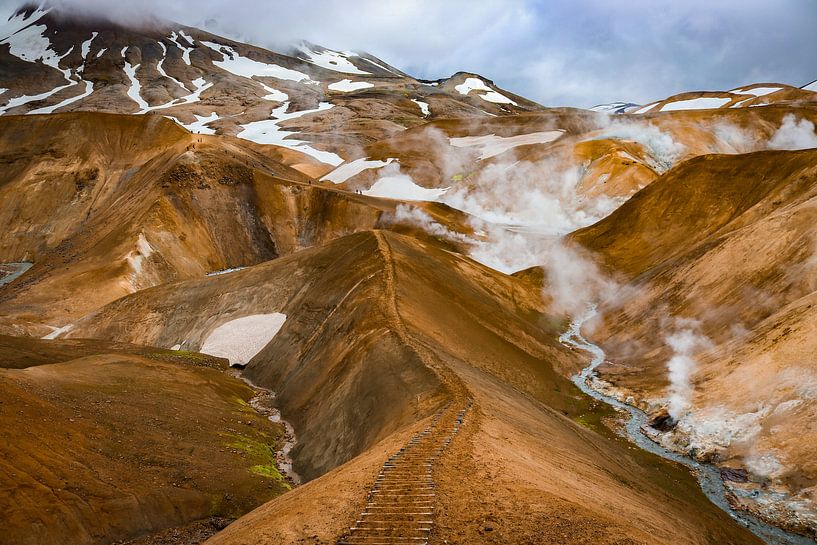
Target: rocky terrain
<point>391,262</point>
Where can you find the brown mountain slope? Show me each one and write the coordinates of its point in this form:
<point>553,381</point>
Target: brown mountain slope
<point>727,242</point>
<point>106,442</point>
<point>212,84</point>
<point>383,329</point>
<point>119,203</point>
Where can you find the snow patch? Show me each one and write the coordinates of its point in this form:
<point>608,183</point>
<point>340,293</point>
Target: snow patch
<point>377,64</point>
<point>225,271</point>
<point>331,60</point>
<point>393,184</point>
<point>57,331</point>
<point>161,70</point>
<point>134,91</point>
<point>476,84</point>
<point>30,45</point>
<point>491,145</point>
<point>25,99</point>
<point>424,109</point>
<point>701,103</point>
<point>347,85</point>
<point>199,126</point>
<point>101,52</point>
<point>19,21</point>
<point>757,91</point>
<point>234,63</point>
<point>645,109</point>
<point>89,88</point>
<point>241,339</point>
<point>185,50</point>
<point>267,131</point>
<point>353,168</point>
<point>273,94</point>
<point>86,45</point>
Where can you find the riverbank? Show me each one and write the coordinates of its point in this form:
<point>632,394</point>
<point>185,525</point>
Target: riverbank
<point>709,476</point>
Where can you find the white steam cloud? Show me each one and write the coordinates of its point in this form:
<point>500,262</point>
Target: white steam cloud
<point>573,281</point>
<point>734,139</point>
<point>660,146</point>
<point>540,196</point>
<point>411,215</point>
<point>685,343</point>
<point>794,134</point>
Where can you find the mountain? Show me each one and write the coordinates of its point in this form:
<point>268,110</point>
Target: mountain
<point>212,85</point>
<point>303,297</point>
<point>757,94</point>
<point>753,216</point>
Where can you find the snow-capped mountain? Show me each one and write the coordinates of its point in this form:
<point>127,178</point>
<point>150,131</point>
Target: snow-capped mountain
<point>210,84</point>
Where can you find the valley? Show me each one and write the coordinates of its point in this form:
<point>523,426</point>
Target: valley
<point>301,296</point>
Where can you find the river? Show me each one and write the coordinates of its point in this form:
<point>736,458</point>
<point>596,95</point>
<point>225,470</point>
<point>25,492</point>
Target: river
<point>709,476</point>
<point>17,269</point>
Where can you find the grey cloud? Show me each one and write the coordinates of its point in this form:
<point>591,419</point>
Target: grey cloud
<point>559,52</point>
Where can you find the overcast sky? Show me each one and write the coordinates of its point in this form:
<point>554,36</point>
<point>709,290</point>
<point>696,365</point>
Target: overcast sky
<point>557,52</point>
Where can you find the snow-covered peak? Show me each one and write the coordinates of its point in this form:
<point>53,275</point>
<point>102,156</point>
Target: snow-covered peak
<point>615,107</point>
<point>329,59</point>
<point>490,95</point>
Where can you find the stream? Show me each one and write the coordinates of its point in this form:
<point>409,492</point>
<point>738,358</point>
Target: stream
<point>264,403</point>
<point>709,476</point>
<point>17,270</point>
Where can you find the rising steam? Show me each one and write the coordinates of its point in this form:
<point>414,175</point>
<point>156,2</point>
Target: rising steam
<point>794,134</point>
<point>685,343</point>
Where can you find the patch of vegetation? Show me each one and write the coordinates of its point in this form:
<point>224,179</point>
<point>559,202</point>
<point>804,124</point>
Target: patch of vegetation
<point>186,356</point>
<point>271,472</point>
<point>260,453</point>
<point>586,422</point>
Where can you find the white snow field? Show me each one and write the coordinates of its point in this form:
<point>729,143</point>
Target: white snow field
<point>353,168</point>
<point>273,95</point>
<point>393,184</point>
<point>86,45</point>
<point>241,339</point>
<point>20,21</point>
<point>424,109</point>
<point>89,88</point>
<point>645,109</point>
<point>757,91</point>
<point>27,42</point>
<point>701,103</point>
<point>331,60</point>
<point>234,63</point>
<point>25,99</point>
<point>161,70</point>
<point>347,85</point>
<point>491,145</point>
<point>476,84</point>
<point>377,64</point>
<point>57,331</point>
<point>267,131</point>
<point>134,91</point>
<point>811,86</point>
<point>199,126</point>
<point>185,50</point>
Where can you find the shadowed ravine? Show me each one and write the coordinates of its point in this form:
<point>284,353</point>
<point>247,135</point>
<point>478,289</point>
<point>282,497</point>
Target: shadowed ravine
<point>708,475</point>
